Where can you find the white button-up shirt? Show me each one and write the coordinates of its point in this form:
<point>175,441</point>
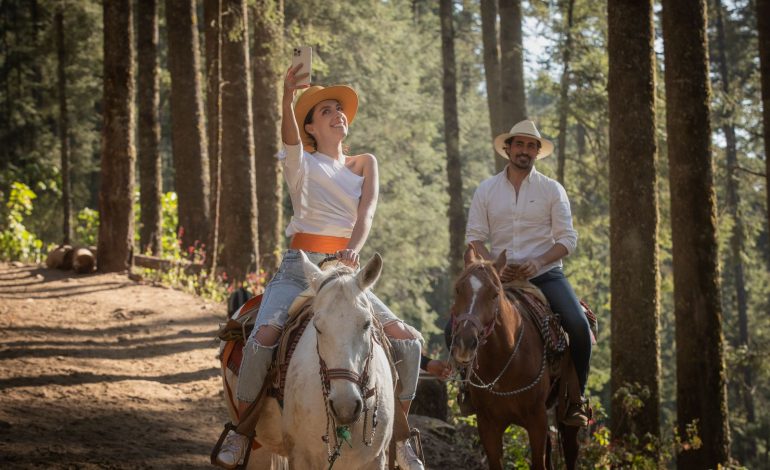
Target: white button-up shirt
<point>525,226</point>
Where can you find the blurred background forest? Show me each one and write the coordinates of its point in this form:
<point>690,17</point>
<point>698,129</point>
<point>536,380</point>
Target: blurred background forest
<point>184,141</point>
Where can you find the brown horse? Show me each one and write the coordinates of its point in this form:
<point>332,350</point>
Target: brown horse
<point>510,381</point>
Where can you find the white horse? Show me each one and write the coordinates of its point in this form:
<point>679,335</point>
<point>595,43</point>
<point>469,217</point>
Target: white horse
<point>339,386</point>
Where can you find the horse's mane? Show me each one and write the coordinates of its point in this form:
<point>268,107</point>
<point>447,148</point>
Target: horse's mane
<point>337,271</point>
<point>472,267</point>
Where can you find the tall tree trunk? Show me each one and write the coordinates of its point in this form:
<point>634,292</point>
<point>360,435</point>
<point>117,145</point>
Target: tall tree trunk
<point>490,40</point>
<point>735,260</point>
<point>635,348</point>
<point>512,96</point>
<point>66,195</point>
<point>268,65</point>
<point>763,30</point>
<point>148,133</point>
<point>239,203</point>
<point>188,136</point>
<point>452,137</point>
<point>213,37</point>
<point>701,376</point>
<point>116,208</point>
<point>567,10</point>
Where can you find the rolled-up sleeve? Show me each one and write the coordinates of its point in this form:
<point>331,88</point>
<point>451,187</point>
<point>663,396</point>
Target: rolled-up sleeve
<point>291,157</point>
<point>561,220</point>
<point>478,222</point>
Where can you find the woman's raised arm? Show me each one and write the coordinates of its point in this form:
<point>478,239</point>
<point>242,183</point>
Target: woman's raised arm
<point>289,129</point>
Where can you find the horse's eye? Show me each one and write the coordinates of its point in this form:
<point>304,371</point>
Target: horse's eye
<point>367,325</point>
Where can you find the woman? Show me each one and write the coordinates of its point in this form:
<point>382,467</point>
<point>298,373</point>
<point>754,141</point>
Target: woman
<point>334,197</point>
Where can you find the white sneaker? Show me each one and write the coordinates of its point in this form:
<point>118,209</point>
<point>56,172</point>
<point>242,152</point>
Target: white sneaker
<point>406,457</point>
<point>233,450</point>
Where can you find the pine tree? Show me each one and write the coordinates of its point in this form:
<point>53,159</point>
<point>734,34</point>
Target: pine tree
<point>238,209</point>
<point>116,213</point>
<point>148,132</point>
<point>701,376</point>
<point>633,216</point>
<point>188,136</point>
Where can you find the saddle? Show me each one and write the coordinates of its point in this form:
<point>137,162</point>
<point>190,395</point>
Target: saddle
<point>531,301</point>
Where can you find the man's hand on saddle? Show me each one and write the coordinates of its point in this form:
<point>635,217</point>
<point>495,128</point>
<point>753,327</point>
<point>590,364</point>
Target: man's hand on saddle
<point>439,369</point>
<point>348,257</point>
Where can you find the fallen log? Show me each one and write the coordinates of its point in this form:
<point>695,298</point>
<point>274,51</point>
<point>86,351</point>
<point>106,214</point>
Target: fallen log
<point>154,262</point>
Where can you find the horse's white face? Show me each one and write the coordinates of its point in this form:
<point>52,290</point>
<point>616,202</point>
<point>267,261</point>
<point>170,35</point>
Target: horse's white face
<point>343,323</point>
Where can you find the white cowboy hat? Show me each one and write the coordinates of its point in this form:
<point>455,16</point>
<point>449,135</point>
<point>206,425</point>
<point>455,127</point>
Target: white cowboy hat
<point>524,128</point>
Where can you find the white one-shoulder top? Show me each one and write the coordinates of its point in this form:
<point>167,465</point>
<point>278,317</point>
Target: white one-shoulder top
<point>324,193</point>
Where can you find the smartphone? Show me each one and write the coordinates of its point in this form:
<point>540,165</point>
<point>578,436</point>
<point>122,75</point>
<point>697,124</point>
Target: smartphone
<point>303,55</point>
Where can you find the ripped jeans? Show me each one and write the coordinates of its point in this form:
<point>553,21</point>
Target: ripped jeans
<point>279,294</point>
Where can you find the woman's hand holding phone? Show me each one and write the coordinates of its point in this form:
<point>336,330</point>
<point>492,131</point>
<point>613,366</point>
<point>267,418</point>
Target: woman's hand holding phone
<point>292,81</point>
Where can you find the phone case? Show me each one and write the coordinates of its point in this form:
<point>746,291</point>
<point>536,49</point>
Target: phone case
<point>303,55</point>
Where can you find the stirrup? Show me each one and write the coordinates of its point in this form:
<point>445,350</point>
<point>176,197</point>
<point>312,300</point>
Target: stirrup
<point>414,436</point>
<point>218,447</point>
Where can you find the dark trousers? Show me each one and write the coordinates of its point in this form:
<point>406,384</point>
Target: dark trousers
<point>563,300</point>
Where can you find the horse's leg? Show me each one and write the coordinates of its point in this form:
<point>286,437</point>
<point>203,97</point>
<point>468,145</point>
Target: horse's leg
<point>570,445</point>
<point>538,433</point>
<point>548,450</point>
<point>491,435</point>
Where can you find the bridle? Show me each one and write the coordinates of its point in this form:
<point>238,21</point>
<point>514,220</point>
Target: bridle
<point>460,321</point>
<point>341,434</point>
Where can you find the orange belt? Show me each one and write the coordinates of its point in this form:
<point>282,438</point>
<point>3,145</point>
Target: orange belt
<point>318,243</point>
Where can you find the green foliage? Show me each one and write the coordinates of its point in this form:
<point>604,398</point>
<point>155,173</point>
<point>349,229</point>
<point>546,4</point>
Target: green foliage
<point>16,242</point>
<point>87,227</point>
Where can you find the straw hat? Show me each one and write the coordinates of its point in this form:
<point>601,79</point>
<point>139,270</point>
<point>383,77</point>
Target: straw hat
<point>524,128</point>
<point>345,95</point>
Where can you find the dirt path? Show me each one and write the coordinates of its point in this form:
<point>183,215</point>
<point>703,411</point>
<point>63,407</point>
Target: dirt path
<point>98,371</point>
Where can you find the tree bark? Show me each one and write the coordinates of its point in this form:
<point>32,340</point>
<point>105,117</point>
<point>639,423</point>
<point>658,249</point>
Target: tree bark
<point>635,280</point>
<point>238,209</point>
<point>188,137</point>
<point>490,41</point>
<point>150,182</point>
<point>512,96</point>
<point>701,375</point>
<point>763,30</point>
<point>66,194</point>
<point>213,37</point>
<point>268,62</point>
<point>116,213</point>
<point>735,261</point>
<point>452,137</point>
<point>564,92</point>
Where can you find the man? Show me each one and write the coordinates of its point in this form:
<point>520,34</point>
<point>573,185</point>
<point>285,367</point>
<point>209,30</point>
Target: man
<point>527,214</point>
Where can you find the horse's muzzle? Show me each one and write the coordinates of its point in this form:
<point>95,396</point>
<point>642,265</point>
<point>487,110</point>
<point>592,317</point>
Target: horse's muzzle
<point>464,350</point>
<point>346,411</point>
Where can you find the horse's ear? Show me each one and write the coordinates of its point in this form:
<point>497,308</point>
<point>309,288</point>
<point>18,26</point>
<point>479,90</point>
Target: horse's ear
<point>312,272</point>
<point>370,273</point>
<point>471,255</point>
<point>500,262</point>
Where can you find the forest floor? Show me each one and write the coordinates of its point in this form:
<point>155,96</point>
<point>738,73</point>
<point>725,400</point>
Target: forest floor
<point>99,371</point>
